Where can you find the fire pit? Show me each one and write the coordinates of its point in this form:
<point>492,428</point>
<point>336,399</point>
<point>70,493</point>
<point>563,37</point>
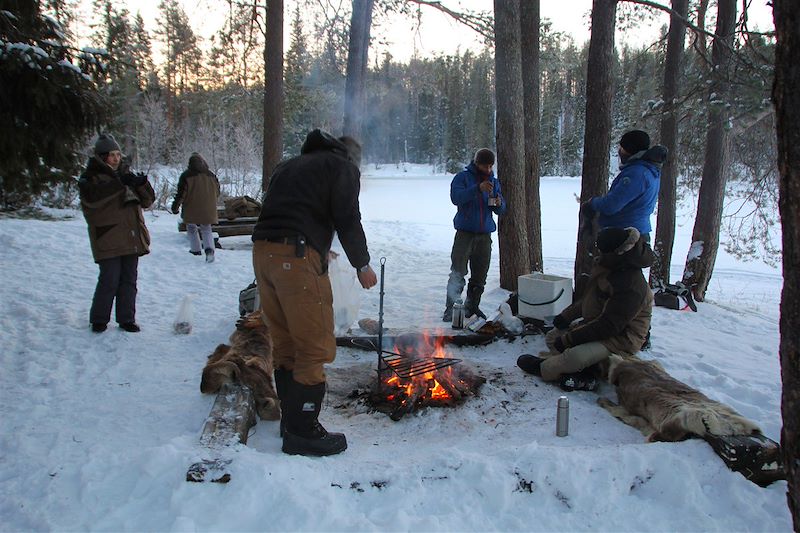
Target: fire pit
<point>418,373</point>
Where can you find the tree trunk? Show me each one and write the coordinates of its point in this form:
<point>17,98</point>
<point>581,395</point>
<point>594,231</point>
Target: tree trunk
<point>705,236</point>
<point>530,20</point>
<point>786,96</point>
<point>597,131</point>
<point>273,91</point>
<point>357,54</point>
<point>667,199</point>
<point>512,235</point>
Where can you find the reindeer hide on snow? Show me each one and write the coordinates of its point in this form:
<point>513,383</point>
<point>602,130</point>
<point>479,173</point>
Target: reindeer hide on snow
<point>248,359</point>
<point>665,409</point>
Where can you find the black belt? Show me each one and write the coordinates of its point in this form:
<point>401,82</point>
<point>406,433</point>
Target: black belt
<point>283,240</point>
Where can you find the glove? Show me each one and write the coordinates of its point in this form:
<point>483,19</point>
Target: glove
<point>560,322</point>
<point>176,206</point>
<point>133,180</point>
<point>558,344</point>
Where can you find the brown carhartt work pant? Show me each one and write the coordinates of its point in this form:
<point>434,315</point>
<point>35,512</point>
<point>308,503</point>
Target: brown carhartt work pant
<point>297,303</point>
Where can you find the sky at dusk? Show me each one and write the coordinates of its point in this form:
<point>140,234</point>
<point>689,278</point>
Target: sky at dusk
<point>438,33</point>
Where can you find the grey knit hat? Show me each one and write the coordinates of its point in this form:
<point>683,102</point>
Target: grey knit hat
<point>105,143</point>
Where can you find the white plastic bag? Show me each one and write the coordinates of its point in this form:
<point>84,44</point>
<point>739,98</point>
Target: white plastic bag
<point>185,317</point>
<point>512,324</point>
<point>346,295</point>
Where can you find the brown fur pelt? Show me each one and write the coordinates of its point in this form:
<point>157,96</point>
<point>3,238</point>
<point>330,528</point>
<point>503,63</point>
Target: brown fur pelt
<point>665,409</point>
<point>247,359</point>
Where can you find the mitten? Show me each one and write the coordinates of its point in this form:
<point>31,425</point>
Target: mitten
<point>176,206</point>
<point>560,322</point>
<point>558,344</point>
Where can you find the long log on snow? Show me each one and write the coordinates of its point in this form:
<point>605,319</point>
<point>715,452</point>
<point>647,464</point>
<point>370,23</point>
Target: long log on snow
<point>228,424</point>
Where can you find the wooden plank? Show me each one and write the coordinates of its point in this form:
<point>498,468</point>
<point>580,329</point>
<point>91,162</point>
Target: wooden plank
<point>228,424</point>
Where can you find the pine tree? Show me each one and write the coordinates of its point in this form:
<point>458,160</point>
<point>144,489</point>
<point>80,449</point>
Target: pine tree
<point>48,104</point>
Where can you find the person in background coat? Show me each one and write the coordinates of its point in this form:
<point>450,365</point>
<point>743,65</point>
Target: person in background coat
<point>475,192</point>
<point>112,198</point>
<point>198,190</point>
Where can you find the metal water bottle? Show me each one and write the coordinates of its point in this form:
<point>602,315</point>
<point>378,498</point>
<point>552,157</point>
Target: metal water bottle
<point>458,315</point>
<point>562,417</point>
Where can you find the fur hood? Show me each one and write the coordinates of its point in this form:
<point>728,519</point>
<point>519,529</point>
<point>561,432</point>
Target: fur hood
<point>633,252</point>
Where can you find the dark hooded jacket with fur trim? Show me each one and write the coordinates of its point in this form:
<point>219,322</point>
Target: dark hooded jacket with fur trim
<point>314,195</point>
<point>198,190</point>
<point>113,210</point>
<point>617,305</point>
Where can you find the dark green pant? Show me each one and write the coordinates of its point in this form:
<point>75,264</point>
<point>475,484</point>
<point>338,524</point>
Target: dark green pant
<point>473,250</point>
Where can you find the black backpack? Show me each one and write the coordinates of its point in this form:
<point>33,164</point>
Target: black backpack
<point>674,296</point>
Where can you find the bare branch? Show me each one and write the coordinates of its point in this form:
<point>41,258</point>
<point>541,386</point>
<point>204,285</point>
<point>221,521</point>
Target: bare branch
<point>480,22</point>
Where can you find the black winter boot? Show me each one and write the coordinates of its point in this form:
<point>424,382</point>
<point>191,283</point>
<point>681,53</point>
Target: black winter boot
<point>447,316</point>
<point>530,364</point>
<point>304,434</point>
<point>282,379</point>
<point>474,293</point>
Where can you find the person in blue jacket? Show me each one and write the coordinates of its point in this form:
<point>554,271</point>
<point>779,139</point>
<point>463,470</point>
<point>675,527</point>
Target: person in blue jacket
<point>475,191</point>
<point>633,194</point>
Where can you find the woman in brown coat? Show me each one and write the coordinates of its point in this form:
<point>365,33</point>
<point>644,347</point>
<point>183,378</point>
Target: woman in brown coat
<point>112,198</point>
<point>198,190</point>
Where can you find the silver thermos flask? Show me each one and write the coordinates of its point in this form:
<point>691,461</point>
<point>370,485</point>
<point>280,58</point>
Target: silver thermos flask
<point>562,417</point>
<point>458,315</point>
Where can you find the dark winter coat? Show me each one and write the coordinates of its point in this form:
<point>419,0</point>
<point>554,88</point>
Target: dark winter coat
<point>617,305</point>
<point>633,194</point>
<point>112,205</point>
<point>198,190</point>
<point>314,195</point>
<point>474,214</point>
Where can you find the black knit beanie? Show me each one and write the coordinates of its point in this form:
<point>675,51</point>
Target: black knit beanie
<point>609,239</point>
<point>484,156</point>
<point>105,143</point>
<point>635,141</point>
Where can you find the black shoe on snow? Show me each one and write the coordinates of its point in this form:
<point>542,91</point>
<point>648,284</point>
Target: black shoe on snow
<point>321,443</point>
<point>530,364</point>
<point>195,253</point>
<point>99,328</point>
<point>131,327</point>
<point>578,381</point>
<point>209,255</point>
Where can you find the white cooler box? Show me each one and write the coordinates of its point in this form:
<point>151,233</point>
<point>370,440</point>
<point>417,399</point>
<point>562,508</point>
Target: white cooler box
<point>542,296</point>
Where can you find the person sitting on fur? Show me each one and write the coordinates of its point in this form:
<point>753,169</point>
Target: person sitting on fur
<point>198,190</point>
<point>616,309</point>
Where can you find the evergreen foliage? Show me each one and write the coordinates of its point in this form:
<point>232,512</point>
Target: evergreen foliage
<point>48,104</point>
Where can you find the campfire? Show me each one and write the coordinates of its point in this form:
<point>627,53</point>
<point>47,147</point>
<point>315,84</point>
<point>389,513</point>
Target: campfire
<point>418,373</point>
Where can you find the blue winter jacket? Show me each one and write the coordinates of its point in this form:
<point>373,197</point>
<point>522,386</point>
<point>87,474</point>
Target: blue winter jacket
<point>474,214</point>
<point>633,194</point>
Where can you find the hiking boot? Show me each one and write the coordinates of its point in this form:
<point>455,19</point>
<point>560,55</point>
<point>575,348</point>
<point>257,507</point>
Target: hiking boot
<point>582,380</point>
<point>304,435</point>
<point>99,328</point>
<point>447,316</point>
<point>131,327</point>
<point>474,293</point>
<point>198,252</point>
<point>530,364</point>
<point>209,255</point>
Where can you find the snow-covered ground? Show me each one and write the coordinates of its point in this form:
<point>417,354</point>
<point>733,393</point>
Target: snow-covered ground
<point>97,431</point>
